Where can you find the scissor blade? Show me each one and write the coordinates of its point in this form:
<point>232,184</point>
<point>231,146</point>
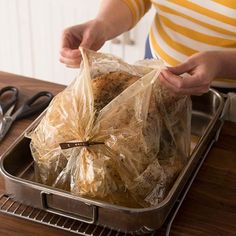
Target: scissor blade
<point>10,110</point>
<point>7,113</point>
<point>1,113</point>
<point>5,126</point>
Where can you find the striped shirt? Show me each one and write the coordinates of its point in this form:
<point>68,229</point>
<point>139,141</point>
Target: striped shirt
<point>184,27</point>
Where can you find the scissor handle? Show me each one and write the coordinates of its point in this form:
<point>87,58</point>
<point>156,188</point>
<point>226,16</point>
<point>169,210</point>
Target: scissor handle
<point>6,105</point>
<point>29,109</point>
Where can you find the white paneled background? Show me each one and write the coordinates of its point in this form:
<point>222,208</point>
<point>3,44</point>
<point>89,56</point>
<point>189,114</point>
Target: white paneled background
<point>30,32</point>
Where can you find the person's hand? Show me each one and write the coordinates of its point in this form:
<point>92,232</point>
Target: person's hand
<point>201,69</point>
<point>91,35</point>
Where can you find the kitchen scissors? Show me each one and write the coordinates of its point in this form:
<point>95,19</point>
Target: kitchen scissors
<point>33,105</point>
<point>8,97</point>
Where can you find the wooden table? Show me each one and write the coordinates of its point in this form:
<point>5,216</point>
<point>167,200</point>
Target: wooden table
<point>209,208</point>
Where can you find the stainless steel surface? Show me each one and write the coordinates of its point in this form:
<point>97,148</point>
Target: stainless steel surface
<point>20,182</point>
<point>11,207</point>
<point>92,220</point>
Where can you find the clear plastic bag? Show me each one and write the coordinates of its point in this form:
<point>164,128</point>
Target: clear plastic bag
<point>129,152</point>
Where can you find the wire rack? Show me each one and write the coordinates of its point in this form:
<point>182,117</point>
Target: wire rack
<point>11,207</point>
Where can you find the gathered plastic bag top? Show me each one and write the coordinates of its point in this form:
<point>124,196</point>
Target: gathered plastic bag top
<point>115,134</point>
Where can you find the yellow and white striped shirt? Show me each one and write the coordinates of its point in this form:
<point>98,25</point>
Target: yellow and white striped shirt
<point>184,27</point>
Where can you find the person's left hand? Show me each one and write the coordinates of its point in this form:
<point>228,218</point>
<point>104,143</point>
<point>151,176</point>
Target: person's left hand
<point>201,69</point>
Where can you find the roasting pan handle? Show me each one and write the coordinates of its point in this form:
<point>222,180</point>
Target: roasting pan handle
<point>46,207</point>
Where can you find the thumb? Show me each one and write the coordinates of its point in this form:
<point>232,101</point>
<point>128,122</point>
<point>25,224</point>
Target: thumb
<point>86,42</point>
<point>181,68</point>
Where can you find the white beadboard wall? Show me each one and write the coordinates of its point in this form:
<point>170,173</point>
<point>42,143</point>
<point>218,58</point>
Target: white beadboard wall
<point>31,31</point>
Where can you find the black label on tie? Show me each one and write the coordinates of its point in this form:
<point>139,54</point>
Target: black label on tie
<point>78,144</point>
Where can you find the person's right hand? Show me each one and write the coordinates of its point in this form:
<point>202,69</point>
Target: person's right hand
<point>91,35</point>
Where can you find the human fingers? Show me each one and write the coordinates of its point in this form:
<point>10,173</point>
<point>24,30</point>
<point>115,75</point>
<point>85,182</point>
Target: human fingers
<point>68,48</point>
<point>66,38</point>
<point>197,90</point>
<point>70,53</point>
<point>75,53</point>
<point>71,62</point>
<point>78,35</point>
<point>182,68</point>
<point>186,81</point>
<point>71,38</point>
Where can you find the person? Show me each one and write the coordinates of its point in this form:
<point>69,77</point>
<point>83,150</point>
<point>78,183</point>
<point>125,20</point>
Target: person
<point>196,39</point>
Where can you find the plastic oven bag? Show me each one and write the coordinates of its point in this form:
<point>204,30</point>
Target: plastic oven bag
<point>127,151</point>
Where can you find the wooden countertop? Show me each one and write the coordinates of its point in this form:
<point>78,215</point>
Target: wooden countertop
<point>210,205</point>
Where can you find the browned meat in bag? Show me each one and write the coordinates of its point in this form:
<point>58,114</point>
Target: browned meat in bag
<point>115,134</point>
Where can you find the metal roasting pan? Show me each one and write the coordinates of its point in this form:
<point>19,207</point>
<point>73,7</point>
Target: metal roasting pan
<point>17,169</point>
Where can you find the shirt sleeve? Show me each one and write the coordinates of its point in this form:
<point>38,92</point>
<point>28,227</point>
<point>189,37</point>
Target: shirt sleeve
<point>138,8</point>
